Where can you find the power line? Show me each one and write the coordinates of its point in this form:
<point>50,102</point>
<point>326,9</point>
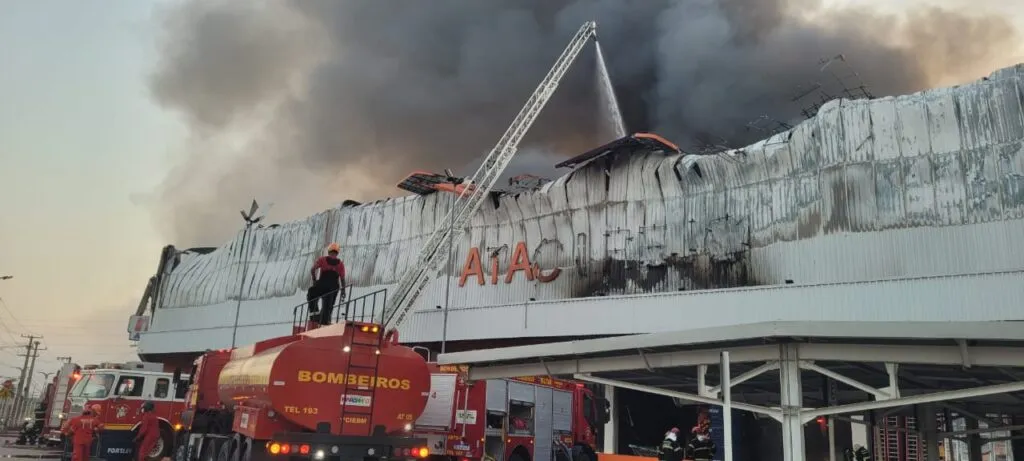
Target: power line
<point>3,305</point>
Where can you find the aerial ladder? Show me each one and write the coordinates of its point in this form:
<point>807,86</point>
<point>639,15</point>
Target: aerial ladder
<point>401,301</point>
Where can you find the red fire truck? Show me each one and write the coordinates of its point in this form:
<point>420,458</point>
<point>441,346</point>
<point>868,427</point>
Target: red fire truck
<point>57,404</point>
<point>120,389</point>
<point>337,392</point>
<point>510,419</point>
<point>348,391</point>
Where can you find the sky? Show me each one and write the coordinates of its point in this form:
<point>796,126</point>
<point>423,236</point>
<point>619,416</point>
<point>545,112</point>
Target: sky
<point>82,143</point>
<point>79,138</point>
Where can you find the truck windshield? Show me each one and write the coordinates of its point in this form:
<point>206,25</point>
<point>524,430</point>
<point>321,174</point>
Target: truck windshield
<point>93,386</point>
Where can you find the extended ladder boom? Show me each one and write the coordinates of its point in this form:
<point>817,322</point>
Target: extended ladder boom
<point>415,279</point>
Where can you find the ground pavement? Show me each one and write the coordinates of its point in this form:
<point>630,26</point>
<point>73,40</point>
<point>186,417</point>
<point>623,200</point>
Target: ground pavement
<point>9,450</point>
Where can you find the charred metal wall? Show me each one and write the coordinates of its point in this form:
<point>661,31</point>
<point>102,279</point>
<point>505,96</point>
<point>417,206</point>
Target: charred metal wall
<point>910,186</point>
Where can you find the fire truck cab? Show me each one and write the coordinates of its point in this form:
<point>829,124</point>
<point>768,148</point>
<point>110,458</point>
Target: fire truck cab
<point>120,389</point>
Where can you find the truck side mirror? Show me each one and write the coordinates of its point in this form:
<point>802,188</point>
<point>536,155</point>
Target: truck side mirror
<point>177,375</point>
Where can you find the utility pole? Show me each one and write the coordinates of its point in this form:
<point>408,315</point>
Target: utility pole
<point>28,376</point>
<point>19,395</point>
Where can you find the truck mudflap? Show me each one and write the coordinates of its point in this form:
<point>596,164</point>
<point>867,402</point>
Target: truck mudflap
<point>317,446</point>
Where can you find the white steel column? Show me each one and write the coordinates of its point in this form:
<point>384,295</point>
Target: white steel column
<point>859,431</point>
<point>791,393</point>
<point>611,428</point>
<point>726,406</point>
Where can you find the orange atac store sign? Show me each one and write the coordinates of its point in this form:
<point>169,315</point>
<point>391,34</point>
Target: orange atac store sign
<point>519,262</point>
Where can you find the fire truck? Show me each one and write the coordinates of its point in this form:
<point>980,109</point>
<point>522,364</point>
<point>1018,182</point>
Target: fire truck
<point>120,389</point>
<point>349,391</point>
<point>56,402</point>
<point>510,419</point>
<point>339,392</point>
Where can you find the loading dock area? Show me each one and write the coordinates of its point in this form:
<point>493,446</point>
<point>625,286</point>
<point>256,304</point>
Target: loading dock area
<point>961,381</point>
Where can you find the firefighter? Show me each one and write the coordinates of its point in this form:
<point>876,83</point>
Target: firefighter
<point>82,429</point>
<point>149,432</point>
<point>701,447</point>
<point>670,449</point>
<point>860,453</point>
<point>329,285</point>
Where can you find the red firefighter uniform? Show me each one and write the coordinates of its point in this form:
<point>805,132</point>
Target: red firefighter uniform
<point>82,429</point>
<point>149,432</point>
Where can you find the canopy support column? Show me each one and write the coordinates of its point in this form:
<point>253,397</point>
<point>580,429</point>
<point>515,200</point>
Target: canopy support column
<point>791,393</point>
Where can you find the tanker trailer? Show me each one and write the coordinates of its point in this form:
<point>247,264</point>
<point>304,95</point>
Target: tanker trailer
<point>340,392</point>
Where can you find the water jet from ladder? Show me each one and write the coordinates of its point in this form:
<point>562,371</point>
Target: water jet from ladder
<point>612,117</point>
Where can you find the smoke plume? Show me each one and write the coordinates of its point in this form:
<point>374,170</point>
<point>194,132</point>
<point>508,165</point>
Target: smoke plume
<point>308,102</point>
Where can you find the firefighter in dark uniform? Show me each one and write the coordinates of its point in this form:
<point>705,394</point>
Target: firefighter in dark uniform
<point>860,453</point>
<point>701,447</point>
<point>329,284</point>
<point>670,449</point>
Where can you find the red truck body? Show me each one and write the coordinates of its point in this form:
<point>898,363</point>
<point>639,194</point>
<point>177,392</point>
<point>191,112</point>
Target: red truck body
<point>294,383</point>
<point>120,389</point>
<point>343,389</point>
<point>57,404</point>
<point>506,419</point>
<point>328,389</point>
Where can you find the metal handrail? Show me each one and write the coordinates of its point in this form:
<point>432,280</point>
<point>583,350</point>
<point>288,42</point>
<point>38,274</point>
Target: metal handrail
<point>368,308</point>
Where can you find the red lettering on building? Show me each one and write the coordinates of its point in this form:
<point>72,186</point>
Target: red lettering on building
<point>518,262</point>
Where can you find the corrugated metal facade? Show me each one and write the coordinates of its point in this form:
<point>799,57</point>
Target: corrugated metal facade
<point>927,184</point>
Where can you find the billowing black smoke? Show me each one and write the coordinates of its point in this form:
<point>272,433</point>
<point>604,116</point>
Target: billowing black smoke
<point>307,102</point>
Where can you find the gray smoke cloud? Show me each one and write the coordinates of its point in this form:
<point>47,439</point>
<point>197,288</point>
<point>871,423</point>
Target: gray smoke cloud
<point>308,102</point>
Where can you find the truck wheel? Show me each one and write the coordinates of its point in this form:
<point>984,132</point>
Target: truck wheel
<point>208,450</point>
<point>239,448</point>
<point>224,454</point>
<point>163,446</point>
<point>252,449</point>
<point>579,453</point>
<point>181,453</point>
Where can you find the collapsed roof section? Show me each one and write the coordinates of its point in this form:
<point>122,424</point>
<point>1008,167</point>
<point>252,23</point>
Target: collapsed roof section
<point>636,142</point>
<point>424,183</point>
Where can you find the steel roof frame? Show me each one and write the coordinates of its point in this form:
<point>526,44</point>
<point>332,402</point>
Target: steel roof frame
<point>849,342</point>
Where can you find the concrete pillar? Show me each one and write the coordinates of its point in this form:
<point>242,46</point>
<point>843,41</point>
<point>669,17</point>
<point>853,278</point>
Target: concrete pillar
<point>792,399</point>
<point>928,424</point>
<point>611,429</point>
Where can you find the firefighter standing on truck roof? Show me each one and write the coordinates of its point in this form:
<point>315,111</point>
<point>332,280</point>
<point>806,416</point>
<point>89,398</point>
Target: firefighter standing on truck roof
<point>149,432</point>
<point>670,449</point>
<point>329,285</point>
<point>82,429</point>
